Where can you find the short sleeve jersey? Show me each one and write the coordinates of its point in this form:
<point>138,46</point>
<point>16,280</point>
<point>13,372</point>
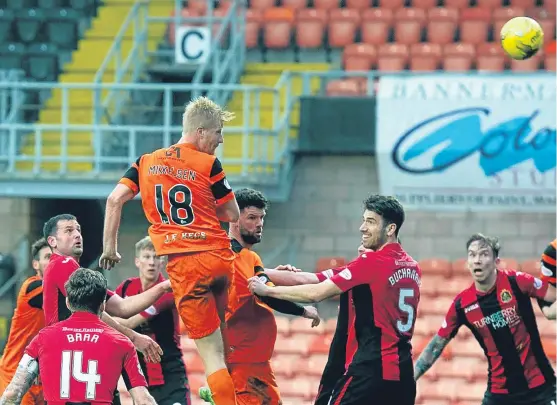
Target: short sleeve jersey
<point>57,272</point>
<point>251,327</point>
<point>27,321</point>
<point>180,190</point>
<point>504,324</point>
<point>81,359</point>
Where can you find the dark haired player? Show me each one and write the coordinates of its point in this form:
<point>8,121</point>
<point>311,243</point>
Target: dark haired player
<point>80,359</point>
<point>548,274</point>
<point>27,321</point>
<point>498,310</point>
<point>251,325</point>
<point>384,286</point>
<point>63,235</point>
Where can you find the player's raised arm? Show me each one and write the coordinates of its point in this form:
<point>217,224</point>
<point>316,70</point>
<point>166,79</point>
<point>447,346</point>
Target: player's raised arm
<point>163,303</point>
<point>289,278</point>
<point>227,206</point>
<point>437,344</point>
<point>27,371</point>
<point>133,305</point>
<point>125,190</point>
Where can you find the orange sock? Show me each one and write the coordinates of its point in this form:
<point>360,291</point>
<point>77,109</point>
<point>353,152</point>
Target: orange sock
<point>222,387</point>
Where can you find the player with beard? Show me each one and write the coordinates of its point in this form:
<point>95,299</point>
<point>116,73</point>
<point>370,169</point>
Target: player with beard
<point>384,286</point>
<point>27,321</point>
<point>63,235</point>
<point>251,326</point>
<point>497,309</point>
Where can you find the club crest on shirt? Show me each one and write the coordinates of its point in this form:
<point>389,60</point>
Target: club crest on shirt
<point>345,274</point>
<point>506,296</point>
<point>537,283</point>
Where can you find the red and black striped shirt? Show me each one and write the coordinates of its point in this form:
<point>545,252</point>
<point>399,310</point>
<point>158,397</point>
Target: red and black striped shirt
<point>383,294</point>
<point>503,322</point>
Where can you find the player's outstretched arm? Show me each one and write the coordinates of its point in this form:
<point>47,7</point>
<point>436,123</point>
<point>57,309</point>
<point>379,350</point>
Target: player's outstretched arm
<point>113,214</point>
<point>150,349</point>
<point>298,293</point>
<point>228,211</point>
<point>141,396</point>
<point>27,371</point>
<point>290,278</point>
<point>550,311</point>
<point>133,305</point>
<point>430,355</point>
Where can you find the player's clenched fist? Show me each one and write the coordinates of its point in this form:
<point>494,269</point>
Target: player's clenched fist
<point>109,259</point>
<point>311,313</point>
<point>150,349</point>
<point>257,286</point>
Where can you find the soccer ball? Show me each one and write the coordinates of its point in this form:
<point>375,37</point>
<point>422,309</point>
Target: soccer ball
<point>521,37</point>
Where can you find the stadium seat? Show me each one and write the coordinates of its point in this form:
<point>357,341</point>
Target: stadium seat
<point>283,325</point>
<point>437,391</point>
<point>320,344</point>
<point>62,27</point>
<point>21,4</point>
<point>50,4</point>
<point>359,57</point>
<point>488,3</point>
<point>260,4</point>
<point>326,4</point>
<point>324,263</point>
<point>439,306</point>
<point>28,24</point>
<point>436,266</point>
<point>359,4</point>
<point>392,57</point>
<point>425,4</point>
<point>528,65</point>
<point>458,4</point>
<point>473,392</point>
<point>508,263</point>
<point>294,4</point>
<point>254,20</point>
<point>310,28</point>
<point>284,365</point>
<point>458,57</point>
<point>467,348</point>
<point>12,56</point>
<point>294,345</point>
<point>43,61</point>
<point>376,23</point>
<point>409,23</point>
<point>474,25</point>
<point>6,21</point>
<point>316,364</point>
<point>549,63</point>
<point>523,3</point>
<point>453,286</point>
<point>303,326</point>
<point>295,388</point>
<point>458,368</point>
<point>431,283</point>
<point>330,325</point>
<point>442,25</point>
<point>344,88</point>
<point>501,16</point>
<point>342,27</point>
<point>460,266</point>
<point>278,25</point>
<point>393,4</point>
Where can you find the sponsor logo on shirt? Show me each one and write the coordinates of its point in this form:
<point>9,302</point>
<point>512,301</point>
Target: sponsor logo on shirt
<point>500,319</point>
<point>471,308</point>
<point>151,310</point>
<point>345,274</point>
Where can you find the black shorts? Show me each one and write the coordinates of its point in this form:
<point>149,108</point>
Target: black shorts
<point>174,391</point>
<point>542,395</point>
<point>367,390</point>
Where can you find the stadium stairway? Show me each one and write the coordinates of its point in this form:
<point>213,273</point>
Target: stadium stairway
<point>264,74</point>
<point>86,60</point>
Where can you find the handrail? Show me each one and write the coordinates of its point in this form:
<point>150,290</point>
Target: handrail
<point>132,86</point>
<point>136,58</point>
<point>21,263</point>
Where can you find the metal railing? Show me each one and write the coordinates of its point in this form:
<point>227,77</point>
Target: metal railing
<point>122,65</point>
<point>253,156</point>
<point>20,252</point>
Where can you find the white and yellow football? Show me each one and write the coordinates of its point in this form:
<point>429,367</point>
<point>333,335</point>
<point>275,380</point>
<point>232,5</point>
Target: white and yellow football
<point>521,37</point>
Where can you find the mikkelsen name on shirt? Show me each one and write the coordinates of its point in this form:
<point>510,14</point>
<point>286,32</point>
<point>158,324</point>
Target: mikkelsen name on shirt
<point>173,237</point>
<point>405,273</point>
<point>163,170</point>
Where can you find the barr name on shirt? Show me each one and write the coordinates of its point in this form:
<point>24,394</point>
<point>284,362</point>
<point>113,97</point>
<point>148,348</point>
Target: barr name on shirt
<point>180,189</point>
<point>57,272</point>
<point>81,359</point>
<point>503,322</point>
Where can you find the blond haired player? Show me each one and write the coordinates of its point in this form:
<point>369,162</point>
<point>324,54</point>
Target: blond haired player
<point>185,195</point>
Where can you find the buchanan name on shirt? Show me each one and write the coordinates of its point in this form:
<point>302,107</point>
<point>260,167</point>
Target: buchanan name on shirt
<point>404,273</point>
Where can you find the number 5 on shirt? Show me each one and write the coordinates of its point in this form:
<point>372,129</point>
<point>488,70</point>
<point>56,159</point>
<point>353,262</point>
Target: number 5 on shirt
<point>404,307</point>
